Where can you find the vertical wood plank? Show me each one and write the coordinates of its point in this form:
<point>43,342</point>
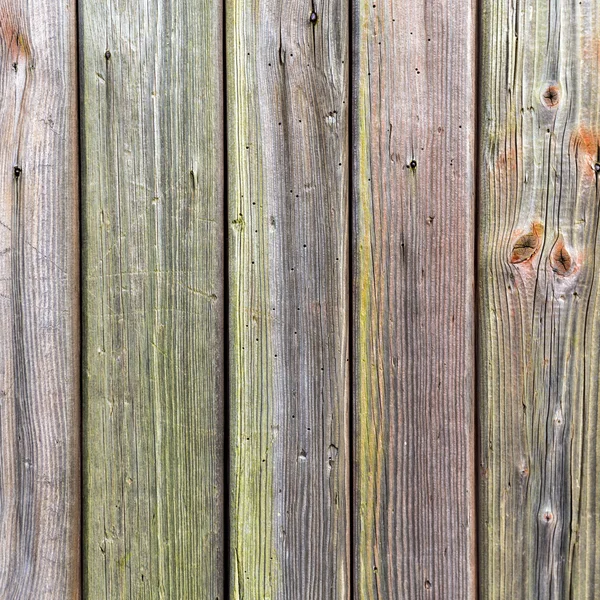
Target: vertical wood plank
<point>414,197</point>
<point>539,319</point>
<point>287,81</point>
<point>153,298</point>
<point>39,315</point>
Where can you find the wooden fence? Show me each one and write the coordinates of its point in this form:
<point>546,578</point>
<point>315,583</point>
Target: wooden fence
<point>299,299</point>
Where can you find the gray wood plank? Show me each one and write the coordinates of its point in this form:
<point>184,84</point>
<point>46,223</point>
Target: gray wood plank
<point>39,283</point>
<point>153,298</point>
<point>414,102</point>
<point>540,308</point>
<point>288,97</point>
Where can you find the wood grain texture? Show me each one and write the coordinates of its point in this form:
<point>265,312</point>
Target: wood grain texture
<point>287,81</point>
<point>539,312</point>
<point>153,276</point>
<point>39,316</point>
<point>413,212</point>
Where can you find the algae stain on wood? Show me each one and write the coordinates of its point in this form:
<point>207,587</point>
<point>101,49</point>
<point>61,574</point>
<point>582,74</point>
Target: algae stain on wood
<point>287,77</point>
<point>153,299</point>
<point>413,322</point>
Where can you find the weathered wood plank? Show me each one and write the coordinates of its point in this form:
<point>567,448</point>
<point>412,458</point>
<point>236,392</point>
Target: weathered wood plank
<point>414,199</point>
<point>39,315</point>
<point>539,312</point>
<point>287,80</point>
<point>153,301</point>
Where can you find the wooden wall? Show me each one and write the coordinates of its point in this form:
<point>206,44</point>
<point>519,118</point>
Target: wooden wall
<point>299,299</point>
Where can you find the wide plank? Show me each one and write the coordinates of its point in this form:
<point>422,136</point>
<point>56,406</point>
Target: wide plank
<point>287,111</point>
<point>539,314</point>
<point>153,299</point>
<point>413,131</point>
<point>39,308</point>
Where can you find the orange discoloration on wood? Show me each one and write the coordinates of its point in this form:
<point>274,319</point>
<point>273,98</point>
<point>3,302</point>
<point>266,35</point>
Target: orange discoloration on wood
<point>585,143</point>
<point>591,52</point>
<point>527,246</point>
<point>13,33</point>
<point>587,140</point>
<point>508,160</point>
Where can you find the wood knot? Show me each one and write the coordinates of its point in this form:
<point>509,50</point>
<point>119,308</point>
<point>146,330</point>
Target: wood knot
<point>548,516</point>
<point>560,259</point>
<point>551,96</point>
<point>527,246</point>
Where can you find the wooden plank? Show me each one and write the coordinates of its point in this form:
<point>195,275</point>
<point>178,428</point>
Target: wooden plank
<point>413,205</point>
<point>287,81</point>
<point>39,317</point>
<point>153,276</point>
<point>539,313</point>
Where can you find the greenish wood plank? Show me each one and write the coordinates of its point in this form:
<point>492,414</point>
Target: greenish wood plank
<point>288,97</point>
<point>153,298</point>
<point>539,312</point>
<point>414,101</point>
<point>39,309</point>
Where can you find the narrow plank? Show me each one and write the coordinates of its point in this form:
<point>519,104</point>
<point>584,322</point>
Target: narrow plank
<point>539,312</point>
<point>153,298</point>
<point>287,81</point>
<point>413,261</point>
<point>39,314</point>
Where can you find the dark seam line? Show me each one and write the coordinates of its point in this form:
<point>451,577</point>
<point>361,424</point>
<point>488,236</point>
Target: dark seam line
<point>79,276</point>
<point>226,585</point>
<point>477,451</point>
<point>350,284</point>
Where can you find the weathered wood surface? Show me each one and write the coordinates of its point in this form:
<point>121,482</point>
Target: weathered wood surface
<point>39,285</point>
<point>288,97</point>
<point>539,319</point>
<point>414,200</point>
<point>153,298</point>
